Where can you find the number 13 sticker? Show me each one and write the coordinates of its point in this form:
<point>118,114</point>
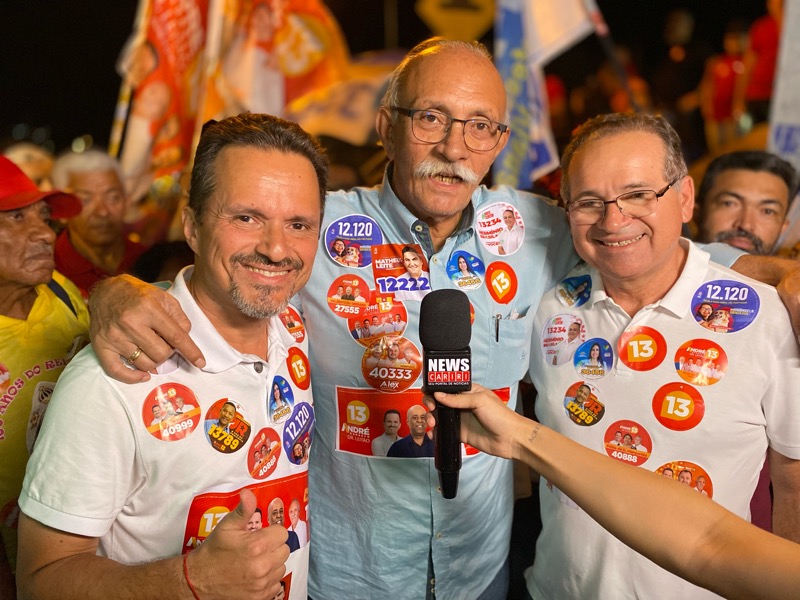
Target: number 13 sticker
<point>678,406</point>
<point>502,282</point>
<point>641,348</point>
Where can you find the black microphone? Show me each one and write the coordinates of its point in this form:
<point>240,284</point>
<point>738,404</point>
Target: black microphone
<point>445,331</point>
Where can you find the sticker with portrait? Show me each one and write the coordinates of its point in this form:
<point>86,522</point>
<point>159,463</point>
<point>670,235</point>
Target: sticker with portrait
<point>725,306</point>
<point>349,240</point>
<point>298,433</point>
<point>465,270</point>
<point>226,427</point>
<point>401,270</point>
<point>500,228</point>
<point>583,404</point>
<point>690,474</point>
<point>391,364</point>
<point>701,362</point>
<point>562,335</point>
<point>593,359</point>
<point>628,442</point>
<point>348,296</point>
<point>264,453</point>
<point>574,291</point>
<point>171,412</point>
<point>280,400</point>
<point>293,323</point>
<point>383,316</point>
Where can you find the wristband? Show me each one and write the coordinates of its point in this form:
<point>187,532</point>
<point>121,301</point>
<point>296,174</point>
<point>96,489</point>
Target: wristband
<point>186,577</point>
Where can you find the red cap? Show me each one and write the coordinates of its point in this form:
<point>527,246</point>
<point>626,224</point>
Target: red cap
<point>18,191</point>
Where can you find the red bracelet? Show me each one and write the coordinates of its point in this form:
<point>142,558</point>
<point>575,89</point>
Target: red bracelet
<point>186,577</point>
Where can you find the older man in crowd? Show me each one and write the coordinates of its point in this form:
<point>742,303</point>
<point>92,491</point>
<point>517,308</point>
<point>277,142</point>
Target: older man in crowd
<point>627,193</point>
<point>43,323</point>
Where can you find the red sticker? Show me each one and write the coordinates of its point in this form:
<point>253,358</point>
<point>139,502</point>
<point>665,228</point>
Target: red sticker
<point>348,296</point>
<point>391,364</point>
<point>701,362</point>
<point>226,428</point>
<point>299,368</point>
<point>641,348</point>
<point>171,412</point>
<point>628,442</point>
<point>678,406</point>
<point>688,473</point>
<point>265,452</point>
<point>383,316</point>
<point>293,323</point>
<point>502,282</point>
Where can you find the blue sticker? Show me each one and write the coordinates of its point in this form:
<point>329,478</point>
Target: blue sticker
<point>593,359</point>
<point>349,240</point>
<point>725,306</point>
<point>298,433</point>
<point>574,291</point>
<point>465,270</point>
<point>281,399</point>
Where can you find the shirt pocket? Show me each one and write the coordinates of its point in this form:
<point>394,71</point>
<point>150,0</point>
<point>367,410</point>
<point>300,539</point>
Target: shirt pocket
<point>508,356</point>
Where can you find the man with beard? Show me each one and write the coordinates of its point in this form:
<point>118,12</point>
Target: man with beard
<point>112,514</point>
<point>94,245</point>
<point>744,198</point>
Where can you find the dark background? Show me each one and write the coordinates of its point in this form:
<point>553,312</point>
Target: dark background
<point>57,74</point>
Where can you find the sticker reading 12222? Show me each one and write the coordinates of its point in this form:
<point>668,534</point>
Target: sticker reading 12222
<point>725,306</point>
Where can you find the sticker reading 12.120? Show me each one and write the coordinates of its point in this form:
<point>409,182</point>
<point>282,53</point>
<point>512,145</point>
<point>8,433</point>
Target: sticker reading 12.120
<point>725,306</point>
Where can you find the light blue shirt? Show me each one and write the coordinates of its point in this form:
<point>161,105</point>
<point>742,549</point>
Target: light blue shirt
<point>374,521</point>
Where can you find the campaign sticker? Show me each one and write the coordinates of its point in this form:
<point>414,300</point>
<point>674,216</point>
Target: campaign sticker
<point>629,442</point>
<point>349,240</point>
<point>265,452</point>
<point>348,296</point>
<point>298,433</point>
<point>466,271</point>
<point>5,377</point>
<point>725,306</point>
<point>688,473</point>
<point>678,406</point>
<point>501,282</point>
<point>642,348</point>
<point>593,358</point>
<point>171,412</point>
<point>293,323</point>
<point>226,428</point>
<point>701,362</point>
<point>299,368</point>
<point>561,336</point>
<point>379,319</point>
<point>583,405</point>
<point>500,228</point>
<point>281,399</point>
<point>391,364</point>
<point>401,270</point>
<point>574,291</point>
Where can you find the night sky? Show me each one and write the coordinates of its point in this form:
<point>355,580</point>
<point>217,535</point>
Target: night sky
<point>57,58</point>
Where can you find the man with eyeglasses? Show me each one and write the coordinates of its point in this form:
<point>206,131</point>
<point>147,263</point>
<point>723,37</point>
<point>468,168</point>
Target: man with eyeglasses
<point>441,124</point>
<point>627,193</point>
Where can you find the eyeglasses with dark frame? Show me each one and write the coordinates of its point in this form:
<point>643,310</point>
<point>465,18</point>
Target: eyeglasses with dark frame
<point>433,126</point>
<point>635,205</point>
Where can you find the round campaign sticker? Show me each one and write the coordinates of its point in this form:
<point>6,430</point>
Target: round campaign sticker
<point>641,348</point>
<point>348,296</point>
<point>293,323</point>
<point>500,228</point>
<point>466,271</point>
<point>298,433</point>
<point>171,412</point>
<point>385,315</point>
<point>678,406</point>
<point>391,364</point>
<point>629,442</point>
<point>561,336</point>
<point>265,452</point>
<point>574,291</point>
<point>299,368</point>
<point>5,377</point>
<point>349,240</point>
<point>501,282</point>
<point>593,358</point>
<point>725,306</point>
<point>583,405</point>
<point>701,362</point>
<point>688,473</point>
<point>281,399</point>
<point>225,426</point>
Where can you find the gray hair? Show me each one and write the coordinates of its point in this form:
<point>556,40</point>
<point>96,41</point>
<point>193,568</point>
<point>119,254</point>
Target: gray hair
<point>89,161</point>
<point>612,124</point>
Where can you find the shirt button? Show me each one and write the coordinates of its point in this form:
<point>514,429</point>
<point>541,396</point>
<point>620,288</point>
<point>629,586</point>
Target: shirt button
<point>417,228</point>
<point>258,367</point>
<point>433,580</point>
<point>439,535</point>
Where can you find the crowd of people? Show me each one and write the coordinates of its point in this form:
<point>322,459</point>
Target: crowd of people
<point>298,402</point>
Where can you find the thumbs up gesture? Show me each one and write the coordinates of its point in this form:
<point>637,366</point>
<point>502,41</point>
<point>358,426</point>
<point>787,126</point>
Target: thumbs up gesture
<point>235,562</point>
